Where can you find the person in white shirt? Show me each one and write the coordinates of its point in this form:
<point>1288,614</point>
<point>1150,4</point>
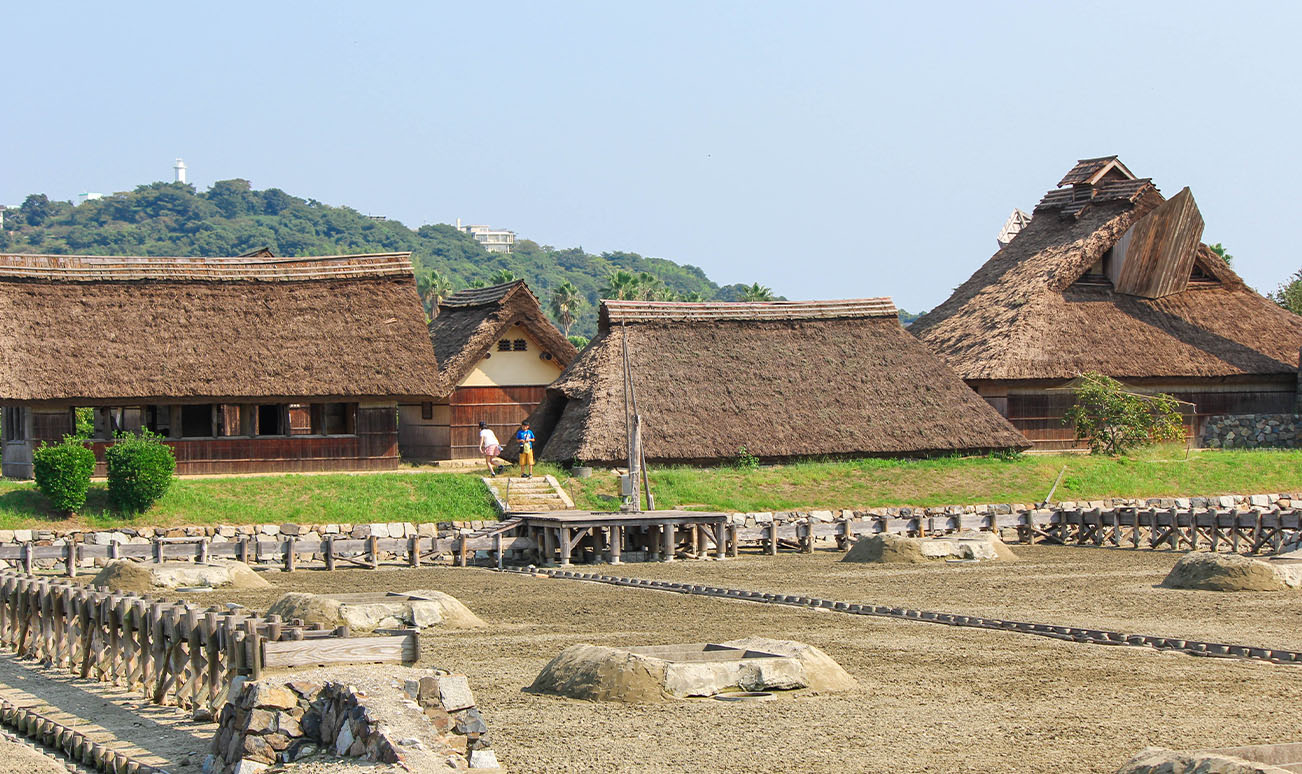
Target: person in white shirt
<point>489,446</point>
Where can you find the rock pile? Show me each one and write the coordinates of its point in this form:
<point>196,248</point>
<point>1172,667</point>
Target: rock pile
<point>1233,572</point>
<point>890,548</point>
<point>1155,760</point>
<point>670,672</point>
<point>434,725</point>
<point>421,608</point>
<point>126,575</point>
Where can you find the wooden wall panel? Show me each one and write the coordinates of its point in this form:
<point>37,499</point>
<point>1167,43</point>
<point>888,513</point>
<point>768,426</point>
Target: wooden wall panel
<point>1159,254</point>
<point>503,408</point>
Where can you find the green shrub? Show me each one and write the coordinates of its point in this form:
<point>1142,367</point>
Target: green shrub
<point>63,473</point>
<point>140,470</point>
<point>1114,420</point>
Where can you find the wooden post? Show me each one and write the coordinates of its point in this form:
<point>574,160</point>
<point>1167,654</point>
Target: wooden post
<point>549,535</point>
<point>497,549</point>
<point>244,549</point>
<point>27,557</point>
<point>330,552</point>
<point>615,543</point>
<point>413,550</point>
<point>203,552</point>
<point>721,540</point>
<point>158,550</point>
<point>289,553</point>
<point>563,538</point>
<point>72,558</point>
<point>373,551</point>
<point>732,540</point>
<point>772,546</point>
<point>462,549</point>
<point>667,553</point>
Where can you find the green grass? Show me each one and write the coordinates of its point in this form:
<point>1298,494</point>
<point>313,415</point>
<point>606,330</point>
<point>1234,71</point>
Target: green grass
<point>427,496</point>
<point>1153,472</point>
<point>317,499</point>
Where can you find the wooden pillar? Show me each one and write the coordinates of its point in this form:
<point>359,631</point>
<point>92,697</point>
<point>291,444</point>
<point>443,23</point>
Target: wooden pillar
<point>653,543</point>
<point>721,540</point>
<point>563,538</point>
<point>615,543</point>
<point>549,535</point>
<point>667,554</point>
<point>772,546</point>
<point>732,540</point>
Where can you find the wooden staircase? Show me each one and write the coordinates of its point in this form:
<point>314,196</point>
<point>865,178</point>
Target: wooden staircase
<point>538,494</point>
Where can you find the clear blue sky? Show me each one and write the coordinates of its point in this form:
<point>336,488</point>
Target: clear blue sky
<point>824,149</point>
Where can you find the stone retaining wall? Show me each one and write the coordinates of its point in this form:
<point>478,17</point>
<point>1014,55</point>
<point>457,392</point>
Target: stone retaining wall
<point>1279,501</point>
<point>1253,431</point>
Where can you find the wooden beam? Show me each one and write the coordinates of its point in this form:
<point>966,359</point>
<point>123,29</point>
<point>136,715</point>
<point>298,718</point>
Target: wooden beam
<point>340,650</point>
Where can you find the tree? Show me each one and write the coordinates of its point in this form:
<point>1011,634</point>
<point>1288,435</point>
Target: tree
<point>1289,293</point>
<point>566,304</point>
<point>1114,420</point>
<point>756,292</point>
<point>579,342</point>
<point>35,209</point>
<point>620,285</point>
<point>1220,250</point>
<point>502,276</point>
<point>433,287</point>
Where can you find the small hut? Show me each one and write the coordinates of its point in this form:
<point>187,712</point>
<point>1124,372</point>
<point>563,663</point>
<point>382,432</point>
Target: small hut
<point>497,352</point>
<point>243,364</point>
<point>782,379</point>
<point>1111,276</point>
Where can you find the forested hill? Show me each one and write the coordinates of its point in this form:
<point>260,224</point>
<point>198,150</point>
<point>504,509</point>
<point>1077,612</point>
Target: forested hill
<point>231,218</point>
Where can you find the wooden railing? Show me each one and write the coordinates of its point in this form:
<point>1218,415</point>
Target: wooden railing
<point>172,653</point>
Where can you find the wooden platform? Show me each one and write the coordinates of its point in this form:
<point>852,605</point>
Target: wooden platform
<point>563,537</point>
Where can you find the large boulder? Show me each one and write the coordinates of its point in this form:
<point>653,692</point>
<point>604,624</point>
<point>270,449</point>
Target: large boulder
<point>1232,572</point>
<point>421,608</point>
<point>670,672</point>
<point>143,577</point>
<point>896,549</point>
<point>1155,760</point>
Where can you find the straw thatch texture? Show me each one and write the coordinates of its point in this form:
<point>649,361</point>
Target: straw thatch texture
<point>1020,316</point>
<point>105,330</point>
<point>782,385</point>
<point>470,322</point>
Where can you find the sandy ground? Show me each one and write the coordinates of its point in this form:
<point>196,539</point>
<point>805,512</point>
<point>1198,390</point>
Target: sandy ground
<point>18,757</point>
<point>931,698</point>
<point>162,736</point>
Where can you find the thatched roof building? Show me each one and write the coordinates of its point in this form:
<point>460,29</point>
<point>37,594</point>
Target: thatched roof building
<point>471,322</point>
<point>783,379</point>
<point>497,352</point>
<point>1110,276</point>
<point>146,341</point>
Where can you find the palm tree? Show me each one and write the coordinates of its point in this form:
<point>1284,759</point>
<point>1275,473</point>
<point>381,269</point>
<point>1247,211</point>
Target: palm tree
<point>691,296</point>
<point>756,292</point>
<point>433,288</point>
<point>502,276</point>
<point>621,285</point>
<point>567,303</point>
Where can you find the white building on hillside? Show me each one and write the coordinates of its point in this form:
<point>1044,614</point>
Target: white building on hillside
<point>494,240</point>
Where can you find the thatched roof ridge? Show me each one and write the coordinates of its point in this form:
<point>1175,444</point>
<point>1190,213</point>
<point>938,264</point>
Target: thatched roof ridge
<point>624,312</point>
<point>783,388</point>
<point>1022,315</point>
<point>471,321</point>
<point>104,330</point>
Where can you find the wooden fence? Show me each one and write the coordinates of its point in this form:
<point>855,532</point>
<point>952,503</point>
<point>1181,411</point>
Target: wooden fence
<point>1252,531</point>
<point>172,653</point>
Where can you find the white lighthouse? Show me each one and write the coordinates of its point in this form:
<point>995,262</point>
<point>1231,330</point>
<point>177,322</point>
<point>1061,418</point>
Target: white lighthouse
<point>180,171</point>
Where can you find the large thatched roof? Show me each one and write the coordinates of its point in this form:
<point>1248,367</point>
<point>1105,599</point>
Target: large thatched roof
<point>783,379</point>
<point>471,321</point>
<point>1039,309</point>
<point>112,330</point>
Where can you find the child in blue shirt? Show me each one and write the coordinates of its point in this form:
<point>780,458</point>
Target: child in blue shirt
<point>525,437</point>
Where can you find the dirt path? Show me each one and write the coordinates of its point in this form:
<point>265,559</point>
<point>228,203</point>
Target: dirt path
<point>931,698</point>
<point>161,736</point>
<point>19,757</point>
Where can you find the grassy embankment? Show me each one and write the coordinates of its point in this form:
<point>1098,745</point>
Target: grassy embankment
<point>429,496</point>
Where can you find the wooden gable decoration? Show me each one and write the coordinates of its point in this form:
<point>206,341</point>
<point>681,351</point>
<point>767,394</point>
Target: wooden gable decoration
<point>1157,253</point>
